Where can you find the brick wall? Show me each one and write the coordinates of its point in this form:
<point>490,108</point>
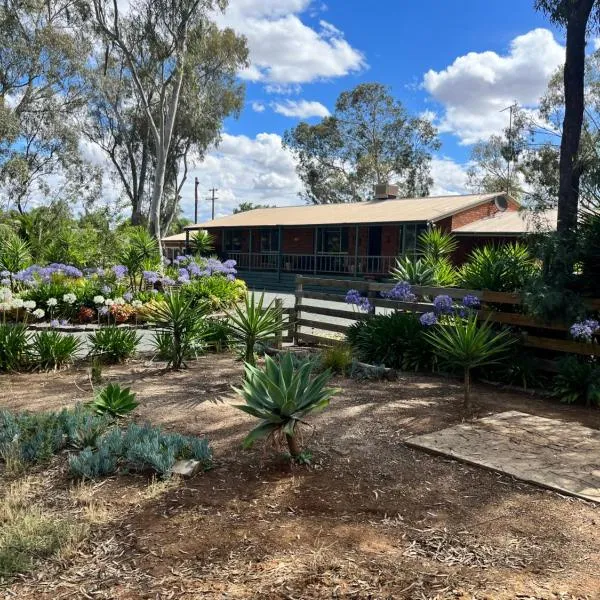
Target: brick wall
<point>483,211</point>
<point>389,240</point>
<point>298,240</point>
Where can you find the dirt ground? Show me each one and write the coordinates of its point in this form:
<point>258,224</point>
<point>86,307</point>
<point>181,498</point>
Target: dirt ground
<point>371,519</point>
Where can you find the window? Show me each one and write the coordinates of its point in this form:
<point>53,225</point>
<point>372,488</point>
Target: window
<point>408,238</point>
<point>332,240</point>
<point>269,240</point>
<point>232,240</point>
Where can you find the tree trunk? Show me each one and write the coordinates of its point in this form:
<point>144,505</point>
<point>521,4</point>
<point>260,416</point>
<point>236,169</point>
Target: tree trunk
<point>467,399</point>
<point>157,193</point>
<point>293,445</point>
<point>574,74</point>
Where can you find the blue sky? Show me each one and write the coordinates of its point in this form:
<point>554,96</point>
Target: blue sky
<point>457,61</point>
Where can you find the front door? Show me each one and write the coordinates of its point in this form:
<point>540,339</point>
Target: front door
<point>374,249</point>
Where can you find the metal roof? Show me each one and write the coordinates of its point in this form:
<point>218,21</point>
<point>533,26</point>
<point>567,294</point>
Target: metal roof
<point>511,223</point>
<point>178,237</point>
<point>401,210</point>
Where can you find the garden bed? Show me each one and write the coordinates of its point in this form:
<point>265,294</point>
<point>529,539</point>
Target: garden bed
<point>372,518</point>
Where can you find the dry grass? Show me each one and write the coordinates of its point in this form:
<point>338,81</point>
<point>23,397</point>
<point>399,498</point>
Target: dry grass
<point>28,533</point>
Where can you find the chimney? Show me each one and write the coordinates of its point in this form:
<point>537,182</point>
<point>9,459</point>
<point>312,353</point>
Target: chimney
<point>385,191</point>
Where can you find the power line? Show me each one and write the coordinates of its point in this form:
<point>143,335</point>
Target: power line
<point>213,191</point>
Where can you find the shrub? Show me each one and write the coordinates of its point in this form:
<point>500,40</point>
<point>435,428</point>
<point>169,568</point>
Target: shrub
<point>182,323</point>
<point>114,344</point>
<point>114,401</point>
<point>202,243</point>
<point>396,340</point>
<point>416,271</point>
<point>589,252</point>
<point>254,323</point>
<point>466,344</point>
<point>436,244</point>
<point>141,448</point>
<point>281,396</point>
<point>216,334</point>
<point>15,254</point>
<point>219,291</point>
<point>337,359</point>
<point>85,314</point>
<point>141,251</point>
<point>578,381</point>
<point>52,350</point>
<point>14,351</point>
<point>505,268</point>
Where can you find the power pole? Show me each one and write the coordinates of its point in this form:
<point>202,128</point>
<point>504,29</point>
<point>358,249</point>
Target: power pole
<point>511,143</point>
<point>213,192</point>
<point>196,184</point>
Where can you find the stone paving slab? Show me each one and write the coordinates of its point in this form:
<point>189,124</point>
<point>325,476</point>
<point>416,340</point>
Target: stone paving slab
<point>552,453</point>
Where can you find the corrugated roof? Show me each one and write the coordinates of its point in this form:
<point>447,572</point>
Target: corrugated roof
<point>178,237</point>
<point>375,211</point>
<point>511,222</point>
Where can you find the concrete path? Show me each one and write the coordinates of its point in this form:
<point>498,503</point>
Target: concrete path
<point>555,454</point>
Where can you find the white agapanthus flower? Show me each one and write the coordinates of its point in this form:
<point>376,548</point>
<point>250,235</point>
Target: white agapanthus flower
<point>39,313</point>
<point>70,298</point>
<point>108,302</point>
<point>17,303</point>
<point>98,299</point>
<point>119,301</point>
<point>52,302</point>
<point>5,295</point>
<point>5,306</point>
<point>29,304</point>
<point>137,304</point>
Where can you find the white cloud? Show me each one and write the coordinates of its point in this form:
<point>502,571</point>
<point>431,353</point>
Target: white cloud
<point>477,86</point>
<point>285,50</point>
<point>302,109</point>
<point>244,169</point>
<point>449,177</point>
<point>258,107</point>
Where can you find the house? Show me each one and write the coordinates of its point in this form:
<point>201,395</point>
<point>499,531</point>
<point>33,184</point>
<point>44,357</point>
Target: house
<point>352,240</point>
<point>175,245</point>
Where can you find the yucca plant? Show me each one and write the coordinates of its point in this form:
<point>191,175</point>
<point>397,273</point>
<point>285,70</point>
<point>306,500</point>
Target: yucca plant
<point>114,401</point>
<point>254,322</point>
<point>436,244</point>
<point>15,255</point>
<point>141,249</point>
<point>202,243</point>
<point>52,349</point>
<point>467,344</point>
<point>281,396</point>
<point>114,344</point>
<point>14,346</point>
<point>182,322</point>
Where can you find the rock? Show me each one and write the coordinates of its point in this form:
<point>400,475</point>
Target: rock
<point>186,468</point>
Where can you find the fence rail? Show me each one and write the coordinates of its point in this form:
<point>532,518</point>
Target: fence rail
<point>497,307</point>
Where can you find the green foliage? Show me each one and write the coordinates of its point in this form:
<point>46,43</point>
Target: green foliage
<point>396,340</point>
<point>14,347</point>
<point>416,271</point>
<point>216,334</point>
<point>370,138</point>
<point>114,344</point>
<point>281,396</point>
<point>14,254</point>
<point>115,401</point>
<point>219,291</point>
<point>202,243</point>
<point>182,322</point>
<point>436,244</point>
<point>140,252</point>
<point>466,344</point>
<point>52,350</point>
<point>578,381</point>
<point>589,253</point>
<point>363,372</point>
<point>504,268</point>
<point>522,369</point>
<point>253,323</point>
<point>337,359</point>
<point>141,448</point>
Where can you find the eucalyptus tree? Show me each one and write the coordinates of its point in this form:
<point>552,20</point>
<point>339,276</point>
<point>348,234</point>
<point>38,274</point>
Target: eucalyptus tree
<point>171,55</point>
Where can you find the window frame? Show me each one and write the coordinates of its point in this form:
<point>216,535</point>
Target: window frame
<point>343,235</point>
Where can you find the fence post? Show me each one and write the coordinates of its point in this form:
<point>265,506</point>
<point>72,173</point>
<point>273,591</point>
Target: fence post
<point>279,334</point>
<point>371,295</point>
<point>295,316</point>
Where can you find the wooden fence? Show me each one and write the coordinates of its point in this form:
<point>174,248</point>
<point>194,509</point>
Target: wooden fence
<point>498,307</point>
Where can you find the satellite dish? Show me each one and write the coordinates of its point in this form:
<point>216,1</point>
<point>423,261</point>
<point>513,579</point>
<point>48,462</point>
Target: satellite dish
<point>501,203</point>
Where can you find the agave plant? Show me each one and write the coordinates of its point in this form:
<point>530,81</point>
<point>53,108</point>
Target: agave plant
<point>254,322</point>
<point>416,271</point>
<point>466,344</point>
<point>202,243</point>
<point>114,401</point>
<point>182,322</point>
<point>281,396</point>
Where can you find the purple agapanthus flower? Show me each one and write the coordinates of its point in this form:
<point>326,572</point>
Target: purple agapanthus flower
<point>106,290</point>
<point>402,292</point>
<point>54,323</point>
<point>167,281</point>
<point>120,271</point>
<point>103,311</point>
<point>151,276</point>
<point>584,330</point>
<point>128,296</point>
<point>64,322</point>
<point>428,319</point>
<point>354,297</point>
<point>471,301</point>
<point>443,305</point>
